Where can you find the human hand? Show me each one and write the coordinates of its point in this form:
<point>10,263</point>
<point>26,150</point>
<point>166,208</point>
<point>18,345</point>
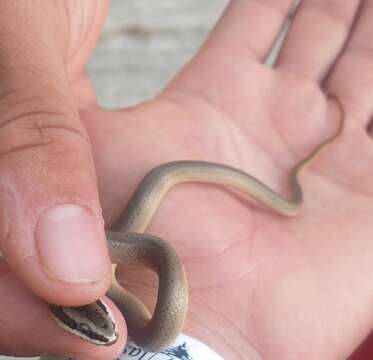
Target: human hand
<point>260,284</point>
<point>54,252</point>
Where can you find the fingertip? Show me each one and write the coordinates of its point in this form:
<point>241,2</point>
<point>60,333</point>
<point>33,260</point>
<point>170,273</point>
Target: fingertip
<point>70,245</point>
<point>68,262</point>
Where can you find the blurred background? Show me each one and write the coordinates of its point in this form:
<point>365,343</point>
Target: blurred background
<point>144,44</point>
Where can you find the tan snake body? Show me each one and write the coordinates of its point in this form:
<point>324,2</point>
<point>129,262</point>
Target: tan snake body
<point>128,245</point>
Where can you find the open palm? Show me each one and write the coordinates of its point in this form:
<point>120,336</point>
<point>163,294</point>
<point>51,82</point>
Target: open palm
<point>260,282</point>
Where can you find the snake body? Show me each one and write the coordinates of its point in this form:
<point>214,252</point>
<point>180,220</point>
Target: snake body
<point>128,244</point>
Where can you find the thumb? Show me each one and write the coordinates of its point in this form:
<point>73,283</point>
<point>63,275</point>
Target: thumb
<point>51,229</point>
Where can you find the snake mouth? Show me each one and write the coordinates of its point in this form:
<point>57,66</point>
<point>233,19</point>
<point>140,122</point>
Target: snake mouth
<point>93,322</point>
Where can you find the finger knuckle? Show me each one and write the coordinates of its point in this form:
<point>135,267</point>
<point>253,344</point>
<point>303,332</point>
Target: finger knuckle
<point>39,129</point>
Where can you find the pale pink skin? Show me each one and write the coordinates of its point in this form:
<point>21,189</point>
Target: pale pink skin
<point>260,284</point>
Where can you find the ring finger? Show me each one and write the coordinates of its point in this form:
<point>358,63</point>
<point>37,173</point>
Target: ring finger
<point>352,76</point>
<point>316,36</point>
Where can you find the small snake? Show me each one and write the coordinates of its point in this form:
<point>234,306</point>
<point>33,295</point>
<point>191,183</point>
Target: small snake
<point>128,244</point>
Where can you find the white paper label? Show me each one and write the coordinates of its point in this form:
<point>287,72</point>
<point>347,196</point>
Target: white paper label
<point>185,348</point>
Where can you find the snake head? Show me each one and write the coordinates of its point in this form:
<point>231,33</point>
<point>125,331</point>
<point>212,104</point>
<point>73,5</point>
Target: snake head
<point>93,322</point>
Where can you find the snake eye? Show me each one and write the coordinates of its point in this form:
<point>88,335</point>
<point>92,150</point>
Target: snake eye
<point>94,322</point>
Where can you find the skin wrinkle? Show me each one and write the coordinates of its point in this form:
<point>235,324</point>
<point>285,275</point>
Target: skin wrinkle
<point>202,328</point>
<point>26,116</point>
<point>291,71</point>
<point>221,252</point>
<point>197,137</point>
<point>274,160</point>
<point>220,148</point>
<point>35,104</point>
<point>285,143</point>
<point>216,109</point>
<point>35,95</point>
<point>202,98</point>
<point>37,41</point>
<point>65,16</point>
<point>220,335</point>
<point>344,187</point>
<point>64,28</point>
<point>228,320</point>
<point>64,129</point>
<point>222,283</point>
<point>233,144</point>
<point>252,319</point>
<point>33,99</point>
<point>42,139</point>
<point>218,314</point>
<point>171,98</point>
<point>49,77</point>
<point>83,36</point>
<point>44,117</point>
<point>21,149</point>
